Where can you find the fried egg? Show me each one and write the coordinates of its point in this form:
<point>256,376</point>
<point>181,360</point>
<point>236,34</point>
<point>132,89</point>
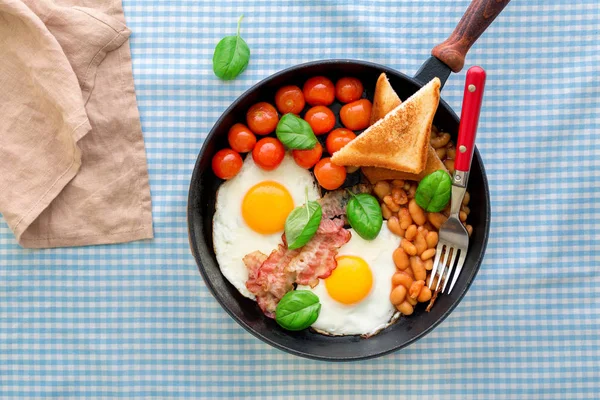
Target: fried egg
<point>251,210</point>
<point>355,299</point>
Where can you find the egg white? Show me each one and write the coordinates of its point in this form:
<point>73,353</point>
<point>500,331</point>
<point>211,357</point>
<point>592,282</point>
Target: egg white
<point>232,238</point>
<point>375,311</point>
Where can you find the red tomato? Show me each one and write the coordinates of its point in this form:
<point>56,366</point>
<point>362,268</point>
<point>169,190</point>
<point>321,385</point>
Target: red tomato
<point>348,89</point>
<point>241,138</point>
<point>338,138</point>
<point>289,99</point>
<point>268,153</point>
<point>321,119</point>
<point>307,158</point>
<point>262,118</point>
<point>226,163</point>
<point>356,115</point>
<point>329,175</point>
<point>319,91</point>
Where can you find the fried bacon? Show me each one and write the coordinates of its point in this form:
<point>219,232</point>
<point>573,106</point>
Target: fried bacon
<point>278,272</point>
<point>334,202</point>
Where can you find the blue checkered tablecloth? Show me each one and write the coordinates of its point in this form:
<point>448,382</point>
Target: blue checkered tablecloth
<point>136,320</point>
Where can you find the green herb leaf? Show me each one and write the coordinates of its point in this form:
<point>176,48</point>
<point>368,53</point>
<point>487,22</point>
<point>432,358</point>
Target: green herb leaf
<point>364,215</point>
<point>433,193</point>
<point>231,56</point>
<point>295,133</point>
<point>302,223</point>
<point>297,310</point>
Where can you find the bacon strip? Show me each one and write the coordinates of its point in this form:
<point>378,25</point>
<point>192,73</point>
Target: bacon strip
<point>334,202</point>
<point>278,272</point>
<point>317,258</point>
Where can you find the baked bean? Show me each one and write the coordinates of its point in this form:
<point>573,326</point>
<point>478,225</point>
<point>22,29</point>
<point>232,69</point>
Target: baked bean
<point>399,196</point>
<point>406,185</point>
<point>386,212</point>
<point>405,308</point>
<point>415,289</point>
<point>424,295</point>
<point>411,232</point>
<point>436,219</point>
<point>420,243</point>
<point>394,226</point>
<point>469,230</point>
<point>440,141</point>
<point>390,203</point>
<point>408,247</point>
<point>350,169</point>
<point>401,259</point>
<point>423,231</point>
<point>409,272</point>
<point>429,264</point>
<point>462,216</point>
<point>451,153</point>
<point>418,268</point>
<point>412,190</point>
<point>466,199</point>
<point>402,278</point>
<point>434,130</point>
<point>398,295</point>
<point>441,153</point>
<point>405,218</point>
<point>449,165</point>
<point>429,227</point>
<point>416,213</point>
<point>382,189</point>
<point>466,209</point>
<point>398,183</point>
<point>432,239</point>
<point>427,254</point>
<point>411,301</point>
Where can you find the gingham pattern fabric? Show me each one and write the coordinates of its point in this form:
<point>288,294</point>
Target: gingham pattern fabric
<point>136,320</point>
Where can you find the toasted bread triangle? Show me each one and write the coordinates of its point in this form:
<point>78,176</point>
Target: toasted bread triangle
<point>384,100</point>
<point>400,140</point>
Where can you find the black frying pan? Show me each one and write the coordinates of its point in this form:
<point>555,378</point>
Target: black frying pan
<point>447,57</point>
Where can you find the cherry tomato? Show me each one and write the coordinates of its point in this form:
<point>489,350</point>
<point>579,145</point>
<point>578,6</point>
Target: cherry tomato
<point>289,99</point>
<point>262,118</point>
<point>329,175</point>
<point>348,89</point>
<point>241,138</point>
<point>356,115</point>
<point>321,119</point>
<point>226,163</point>
<point>307,158</point>
<point>338,138</point>
<point>268,153</point>
<point>319,91</point>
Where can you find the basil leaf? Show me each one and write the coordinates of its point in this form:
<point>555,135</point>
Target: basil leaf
<point>433,193</point>
<point>302,223</point>
<point>297,310</point>
<point>231,56</point>
<point>364,215</point>
<point>295,133</point>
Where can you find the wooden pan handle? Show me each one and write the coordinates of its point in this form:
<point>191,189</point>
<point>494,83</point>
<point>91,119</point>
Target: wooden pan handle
<point>473,23</point>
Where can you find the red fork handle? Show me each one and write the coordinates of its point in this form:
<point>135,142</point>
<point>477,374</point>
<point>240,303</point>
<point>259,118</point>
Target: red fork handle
<point>469,118</point>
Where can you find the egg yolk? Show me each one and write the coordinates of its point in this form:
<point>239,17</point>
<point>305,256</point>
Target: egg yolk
<point>266,206</point>
<point>350,281</point>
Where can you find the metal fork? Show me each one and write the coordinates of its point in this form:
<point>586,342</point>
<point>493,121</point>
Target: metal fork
<point>453,237</point>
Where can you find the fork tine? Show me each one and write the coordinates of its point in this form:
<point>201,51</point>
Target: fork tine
<point>461,262</point>
<point>450,267</point>
<point>442,261</point>
<point>436,262</point>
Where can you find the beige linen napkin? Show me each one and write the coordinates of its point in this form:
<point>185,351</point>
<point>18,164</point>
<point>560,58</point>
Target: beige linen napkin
<point>72,158</point>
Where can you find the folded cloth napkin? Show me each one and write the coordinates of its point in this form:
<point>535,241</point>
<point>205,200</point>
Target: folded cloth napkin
<point>72,159</point>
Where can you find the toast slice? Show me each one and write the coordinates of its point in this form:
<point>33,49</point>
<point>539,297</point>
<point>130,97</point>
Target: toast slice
<point>434,163</point>
<point>398,141</point>
<point>384,100</point>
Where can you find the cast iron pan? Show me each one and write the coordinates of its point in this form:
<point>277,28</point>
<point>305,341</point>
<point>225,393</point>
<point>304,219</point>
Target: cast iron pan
<point>201,202</point>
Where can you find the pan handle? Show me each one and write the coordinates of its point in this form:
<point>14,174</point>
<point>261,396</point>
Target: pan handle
<point>473,23</point>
